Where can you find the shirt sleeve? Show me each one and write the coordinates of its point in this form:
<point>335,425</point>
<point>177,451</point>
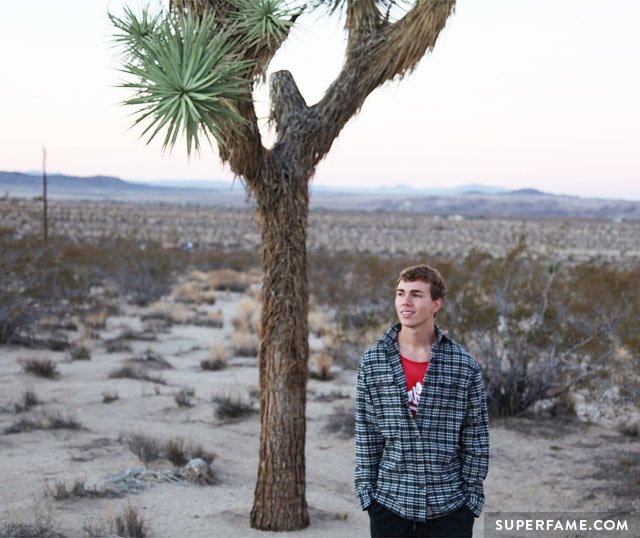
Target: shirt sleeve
<point>369,442</point>
<point>474,444</point>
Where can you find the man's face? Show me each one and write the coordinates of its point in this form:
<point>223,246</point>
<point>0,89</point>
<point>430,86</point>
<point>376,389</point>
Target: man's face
<point>414,305</point>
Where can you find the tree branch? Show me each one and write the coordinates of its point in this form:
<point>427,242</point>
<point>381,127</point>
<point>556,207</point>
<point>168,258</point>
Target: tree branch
<point>377,51</point>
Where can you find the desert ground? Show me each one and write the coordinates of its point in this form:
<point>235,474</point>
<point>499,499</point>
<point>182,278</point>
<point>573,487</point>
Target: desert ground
<point>536,464</point>
<point>153,409</point>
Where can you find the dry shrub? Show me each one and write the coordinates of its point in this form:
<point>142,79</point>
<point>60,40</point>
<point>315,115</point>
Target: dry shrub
<point>180,451</point>
<point>247,318</point>
<point>211,319</point>
<point>232,407</point>
<point>217,358</point>
<point>129,524</point>
<point>318,323</point>
<point>193,293</point>
<point>109,397</point>
<point>80,350</point>
<point>129,371</point>
<point>60,490</point>
<point>97,319</point>
<point>27,401</point>
<point>147,448</point>
<point>183,397</point>
<point>342,422</point>
<point>321,366</point>
<point>199,471</point>
<point>230,280</point>
<point>42,526</point>
<point>117,345</point>
<point>44,421</point>
<point>245,344</point>
<point>40,367</point>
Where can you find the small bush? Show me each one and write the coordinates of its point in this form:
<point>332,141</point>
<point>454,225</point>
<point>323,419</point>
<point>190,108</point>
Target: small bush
<point>60,490</point>
<point>321,366</point>
<point>232,408</point>
<point>180,452</point>
<point>80,350</point>
<point>131,372</point>
<point>217,358</point>
<point>245,344</point>
<point>128,524</point>
<point>28,400</point>
<point>183,397</point>
<point>342,423</point>
<point>117,345</point>
<point>46,421</point>
<point>41,367</point>
<point>147,448</point>
<point>109,397</point>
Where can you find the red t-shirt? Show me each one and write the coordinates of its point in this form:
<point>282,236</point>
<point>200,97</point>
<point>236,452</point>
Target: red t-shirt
<point>414,373</point>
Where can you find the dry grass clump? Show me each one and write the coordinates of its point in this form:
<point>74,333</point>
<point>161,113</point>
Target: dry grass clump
<point>321,366</point>
<point>217,358</point>
<point>230,280</point>
<point>245,344</point>
<point>40,367</point>
<point>342,423</point>
<point>97,319</point>
<point>80,350</point>
<point>193,293</point>
<point>27,401</point>
<point>183,397</point>
<point>117,345</point>
<point>179,452</point>
<point>247,318</point>
<point>109,397</point>
<point>129,371</point>
<point>147,448</point>
<point>61,490</point>
<point>214,320</point>
<point>42,526</point>
<point>44,421</point>
<point>167,312</point>
<point>319,324</point>
<point>232,407</point>
<point>128,524</point>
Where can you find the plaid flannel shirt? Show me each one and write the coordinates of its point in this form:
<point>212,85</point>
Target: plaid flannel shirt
<point>429,465</point>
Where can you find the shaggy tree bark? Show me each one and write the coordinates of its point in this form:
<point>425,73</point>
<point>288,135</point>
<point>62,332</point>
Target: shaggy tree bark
<point>378,50</point>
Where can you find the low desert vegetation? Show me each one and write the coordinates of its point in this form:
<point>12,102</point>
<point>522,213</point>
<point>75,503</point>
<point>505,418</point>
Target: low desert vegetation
<point>245,344</point>
<point>217,359</point>
<point>41,367</point>
<point>77,489</point>
<point>231,407</point>
<point>109,396</point>
<point>184,397</point>
<point>27,401</point>
<point>129,523</point>
<point>81,349</point>
<point>342,423</point>
<point>178,450</point>
<point>44,421</point>
<point>320,366</point>
<point>129,371</point>
<point>43,525</point>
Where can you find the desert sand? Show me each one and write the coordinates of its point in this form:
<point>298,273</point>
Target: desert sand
<point>541,464</point>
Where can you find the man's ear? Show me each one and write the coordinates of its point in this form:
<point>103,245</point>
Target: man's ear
<point>437,304</point>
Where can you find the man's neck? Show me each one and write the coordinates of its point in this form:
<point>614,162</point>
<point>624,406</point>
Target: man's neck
<point>417,337</point>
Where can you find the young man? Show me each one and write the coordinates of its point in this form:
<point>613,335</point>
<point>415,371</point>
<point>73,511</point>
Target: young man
<point>422,431</point>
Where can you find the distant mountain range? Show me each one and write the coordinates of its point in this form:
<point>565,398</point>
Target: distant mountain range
<point>470,200</point>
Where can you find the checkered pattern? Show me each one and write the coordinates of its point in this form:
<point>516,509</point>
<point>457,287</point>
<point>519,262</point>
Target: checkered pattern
<point>429,465</point>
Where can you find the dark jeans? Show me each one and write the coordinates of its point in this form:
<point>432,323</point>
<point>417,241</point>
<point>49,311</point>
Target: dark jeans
<point>384,523</point>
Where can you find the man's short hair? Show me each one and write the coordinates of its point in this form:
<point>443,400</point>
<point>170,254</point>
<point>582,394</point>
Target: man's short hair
<point>425,273</point>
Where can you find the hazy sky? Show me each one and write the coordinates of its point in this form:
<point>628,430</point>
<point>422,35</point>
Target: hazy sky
<point>517,93</point>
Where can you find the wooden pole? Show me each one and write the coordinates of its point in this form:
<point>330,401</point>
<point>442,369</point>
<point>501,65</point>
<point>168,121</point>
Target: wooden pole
<point>45,223</point>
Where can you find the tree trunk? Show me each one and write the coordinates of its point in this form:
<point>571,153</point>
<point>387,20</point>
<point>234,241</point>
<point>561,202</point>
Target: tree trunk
<point>283,208</point>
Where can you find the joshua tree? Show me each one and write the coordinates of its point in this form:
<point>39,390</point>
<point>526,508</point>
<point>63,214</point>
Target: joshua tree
<point>193,70</point>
